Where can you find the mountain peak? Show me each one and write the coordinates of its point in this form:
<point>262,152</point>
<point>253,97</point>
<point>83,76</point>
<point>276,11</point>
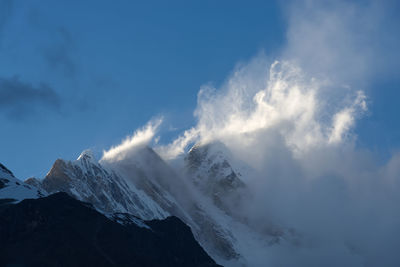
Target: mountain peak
<point>214,147</point>
<point>87,154</point>
<point>209,154</point>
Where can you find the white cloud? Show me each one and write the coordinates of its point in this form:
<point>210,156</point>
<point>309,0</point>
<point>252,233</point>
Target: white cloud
<point>284,100</point>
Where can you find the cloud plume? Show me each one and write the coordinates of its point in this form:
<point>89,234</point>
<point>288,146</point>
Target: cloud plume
<point>139,139</point>
<point>282,99</point>
<point>292,120</point>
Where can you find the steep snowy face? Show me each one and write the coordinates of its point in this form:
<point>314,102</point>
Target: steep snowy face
<point>149,172</point>
<point>13,189</point>
<point>220,179</point>
<point>87,180</point>
<point>209,168</point>
<point>146,171</point>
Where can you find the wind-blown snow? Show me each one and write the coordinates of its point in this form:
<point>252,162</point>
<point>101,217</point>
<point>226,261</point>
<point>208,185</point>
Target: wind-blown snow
<point>139,139</point>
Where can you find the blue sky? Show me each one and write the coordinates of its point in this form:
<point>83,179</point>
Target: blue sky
<point>77,75</point>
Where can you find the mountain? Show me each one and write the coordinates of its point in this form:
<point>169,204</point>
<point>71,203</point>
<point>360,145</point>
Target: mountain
<point>143,185</point>
<point>146,170</point>
<point>208,195</point>
<point>60,231</point>
<point>14,190</point>
<point>220,178</point>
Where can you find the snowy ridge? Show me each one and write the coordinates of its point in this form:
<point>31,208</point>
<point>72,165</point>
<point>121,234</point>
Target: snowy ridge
<point>14,189</point>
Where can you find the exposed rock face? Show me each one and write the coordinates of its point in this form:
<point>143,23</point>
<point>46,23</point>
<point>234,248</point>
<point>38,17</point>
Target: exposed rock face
<point>61,231</point>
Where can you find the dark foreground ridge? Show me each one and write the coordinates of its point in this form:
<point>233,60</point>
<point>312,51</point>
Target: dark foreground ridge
<point>60,231</point>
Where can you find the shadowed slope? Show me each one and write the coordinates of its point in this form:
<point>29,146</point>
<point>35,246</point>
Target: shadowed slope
<point>61,231</point>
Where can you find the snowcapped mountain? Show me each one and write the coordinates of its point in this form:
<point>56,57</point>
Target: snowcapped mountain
<point>144,186</point>
<point>36,229</point>
<point>207,195</point>
<point>14,190</point>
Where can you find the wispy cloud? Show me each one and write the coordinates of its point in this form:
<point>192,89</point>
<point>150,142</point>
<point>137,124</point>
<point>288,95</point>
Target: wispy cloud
<point>140,138</point>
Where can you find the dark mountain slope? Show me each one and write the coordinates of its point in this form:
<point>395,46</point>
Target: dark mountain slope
<point>60,231</point>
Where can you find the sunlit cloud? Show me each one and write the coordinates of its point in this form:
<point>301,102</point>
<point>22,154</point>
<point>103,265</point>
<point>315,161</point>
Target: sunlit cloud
<point>139,139</point>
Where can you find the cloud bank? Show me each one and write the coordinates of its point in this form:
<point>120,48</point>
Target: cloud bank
<point>292,120</point>
<point>20,100</point>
